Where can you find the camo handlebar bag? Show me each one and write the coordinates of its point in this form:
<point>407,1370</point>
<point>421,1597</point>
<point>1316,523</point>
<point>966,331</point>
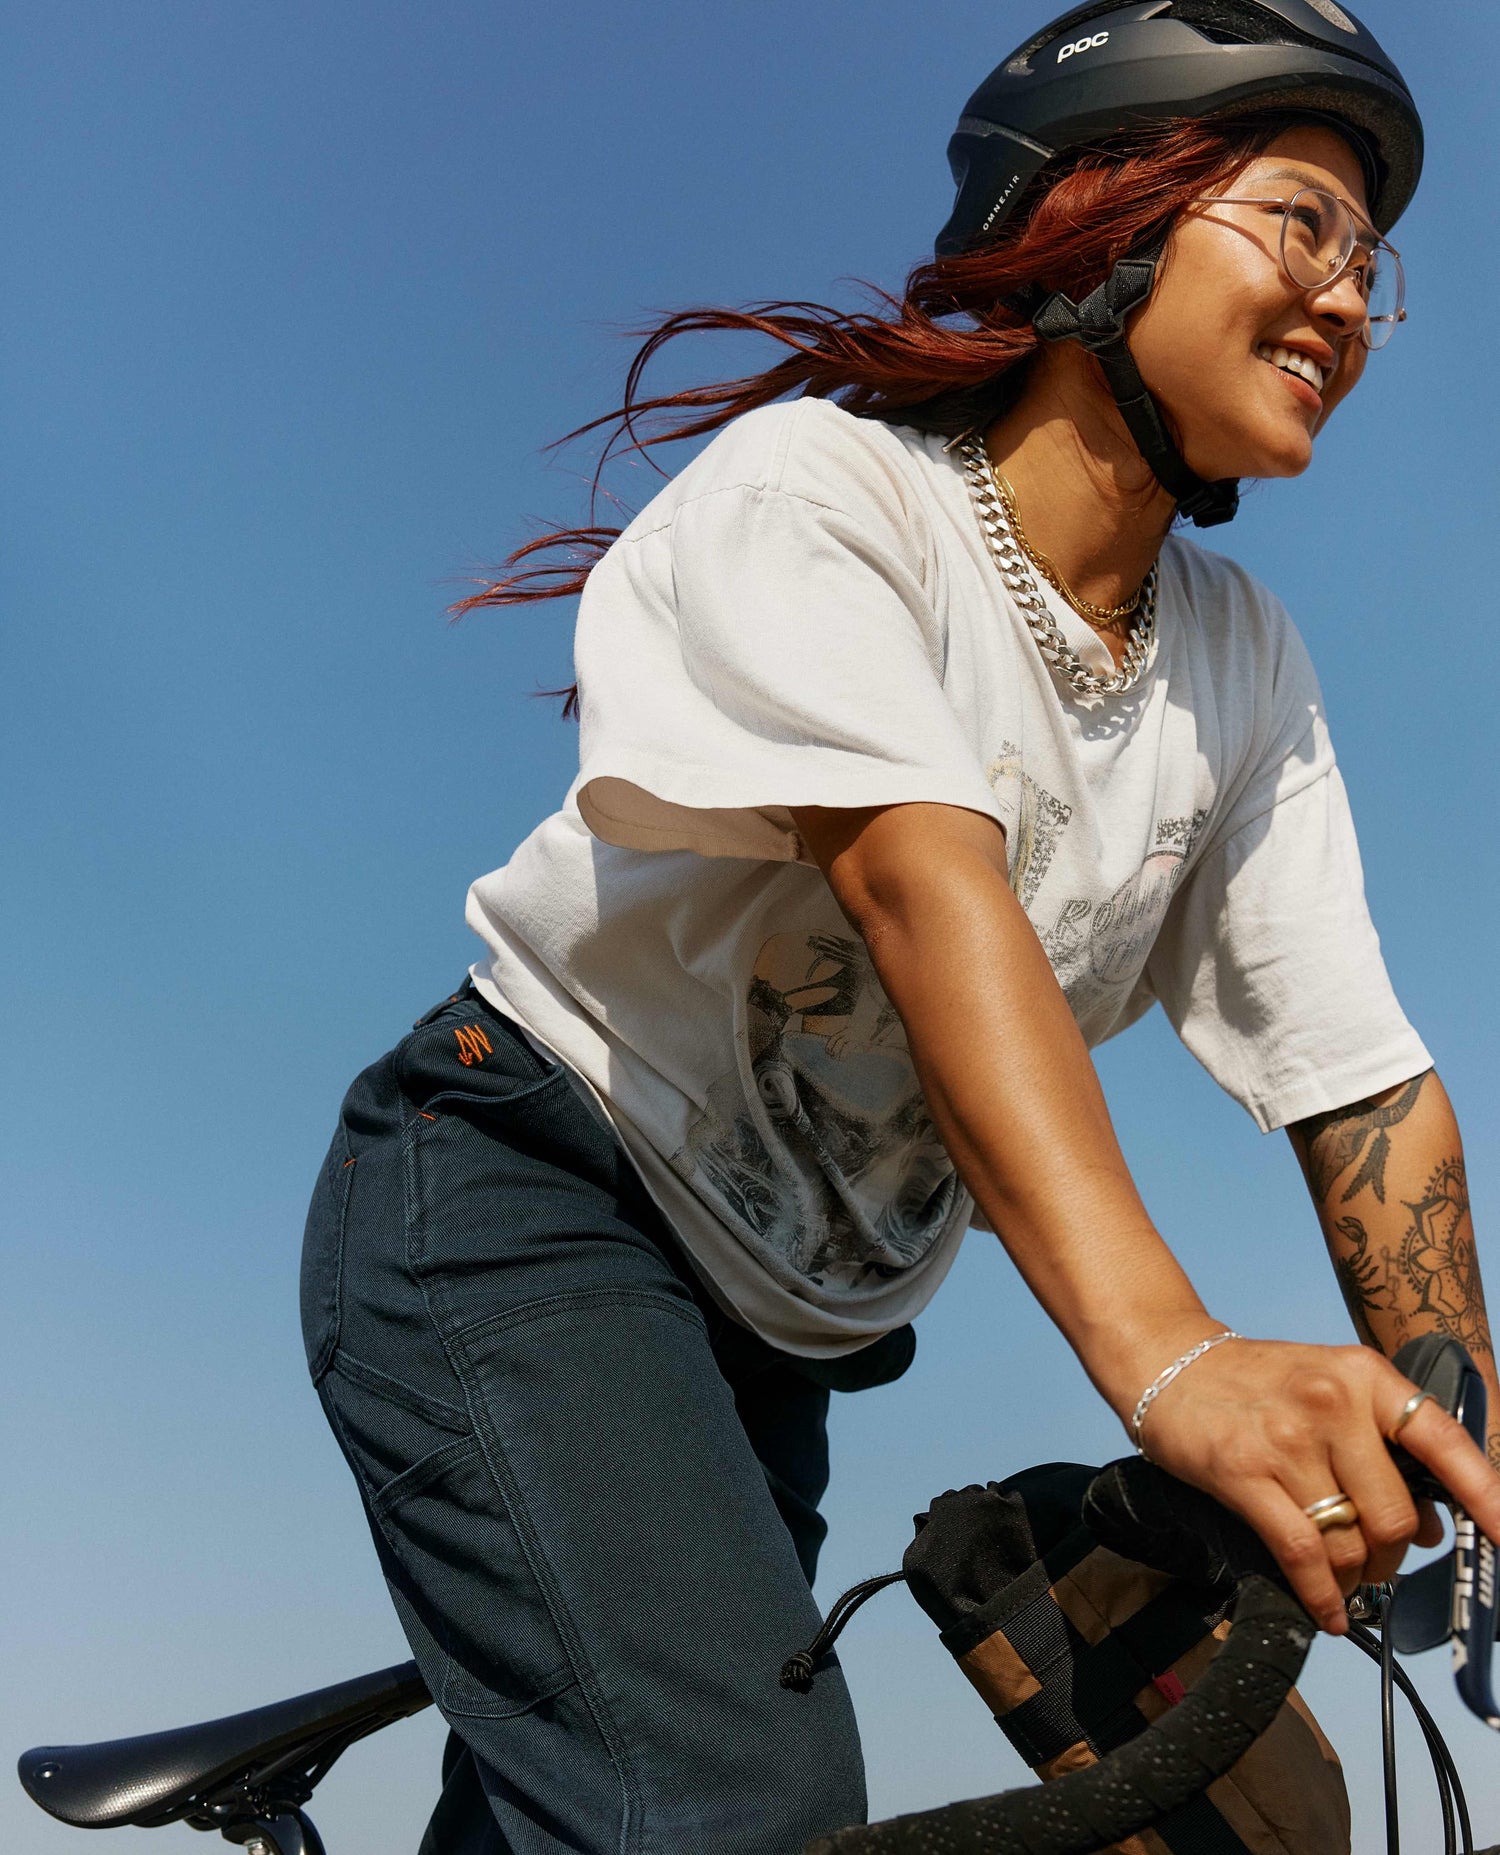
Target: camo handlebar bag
<point>1075,1650</point>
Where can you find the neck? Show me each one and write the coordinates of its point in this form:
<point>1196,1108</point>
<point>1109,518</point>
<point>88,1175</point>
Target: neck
<point>1086,495</point>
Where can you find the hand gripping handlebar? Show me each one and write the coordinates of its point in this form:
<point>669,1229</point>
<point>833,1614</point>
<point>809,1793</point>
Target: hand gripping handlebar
<point>1143,1513</point>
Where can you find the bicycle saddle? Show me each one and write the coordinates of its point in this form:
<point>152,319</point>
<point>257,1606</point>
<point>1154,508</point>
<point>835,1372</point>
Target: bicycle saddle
<point>159,1777</point>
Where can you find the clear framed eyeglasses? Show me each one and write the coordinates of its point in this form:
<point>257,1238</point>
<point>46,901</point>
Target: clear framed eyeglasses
<point>1323,239</point>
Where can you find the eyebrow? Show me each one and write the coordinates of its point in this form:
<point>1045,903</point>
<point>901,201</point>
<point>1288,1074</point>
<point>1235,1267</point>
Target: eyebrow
<point>1308,179</point>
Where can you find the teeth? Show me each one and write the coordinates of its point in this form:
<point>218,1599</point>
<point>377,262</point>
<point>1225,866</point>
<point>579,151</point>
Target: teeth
<point>1300,364</point>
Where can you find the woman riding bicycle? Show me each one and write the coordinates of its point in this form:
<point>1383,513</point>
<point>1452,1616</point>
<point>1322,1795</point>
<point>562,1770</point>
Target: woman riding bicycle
<point>918,755</point>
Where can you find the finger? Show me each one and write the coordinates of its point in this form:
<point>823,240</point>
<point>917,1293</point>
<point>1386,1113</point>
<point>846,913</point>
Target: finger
<point>1443,1445</point>
<point>1299,1549</point>
<point>1429,1525</point>
<point>1344,1544</point>
<point>1348,1555</point>
<point>1387,1513</point>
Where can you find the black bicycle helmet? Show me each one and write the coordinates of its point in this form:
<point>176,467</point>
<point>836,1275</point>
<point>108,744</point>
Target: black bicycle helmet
<point>1105,67</point>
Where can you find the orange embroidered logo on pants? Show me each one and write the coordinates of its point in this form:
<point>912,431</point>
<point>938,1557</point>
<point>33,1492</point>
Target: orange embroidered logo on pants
<point>473,1045</point>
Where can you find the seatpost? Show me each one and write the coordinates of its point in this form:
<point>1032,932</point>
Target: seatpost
<point>289,1834</point>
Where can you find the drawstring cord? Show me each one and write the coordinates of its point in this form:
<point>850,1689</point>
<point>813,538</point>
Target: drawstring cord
<point>797,1670</point>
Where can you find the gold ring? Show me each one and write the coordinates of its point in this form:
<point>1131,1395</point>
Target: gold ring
<point>1408,1410</point>
<point>1334,1510</point>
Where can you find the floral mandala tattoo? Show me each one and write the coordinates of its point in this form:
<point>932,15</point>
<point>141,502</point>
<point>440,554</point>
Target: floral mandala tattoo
<point>1439,1257</point>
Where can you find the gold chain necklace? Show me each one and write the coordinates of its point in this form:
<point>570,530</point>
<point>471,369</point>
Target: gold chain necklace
<point>1106,617</point>
<point>1023,589</point>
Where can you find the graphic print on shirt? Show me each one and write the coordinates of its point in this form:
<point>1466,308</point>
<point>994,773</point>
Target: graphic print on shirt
<point>1040,823</point>
<point>840,1172</point>
<point>1096,948</point>
<point>1099,949</point>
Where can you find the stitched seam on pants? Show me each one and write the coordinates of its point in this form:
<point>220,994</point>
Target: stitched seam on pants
<point>540,1078</point>
<point>422,1474</point>
<point>525,1314</point>
<point>451,1710</point>
<point>527,1311</point>
<point>531,1547</point>
<point>339,1184</point>
<point>367,1501</point>
<point>562,1622</point>
<point>377,1512</point>
<point>396,1391</point>
<point>477,1098</point>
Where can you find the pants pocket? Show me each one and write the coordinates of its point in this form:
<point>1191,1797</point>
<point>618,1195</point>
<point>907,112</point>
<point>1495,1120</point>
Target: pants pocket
<point>458,1574</point>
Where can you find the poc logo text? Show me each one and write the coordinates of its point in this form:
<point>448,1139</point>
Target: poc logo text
<point>1083,45</point>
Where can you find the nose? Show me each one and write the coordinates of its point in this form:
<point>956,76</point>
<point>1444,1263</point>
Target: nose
<point>1340,303</point>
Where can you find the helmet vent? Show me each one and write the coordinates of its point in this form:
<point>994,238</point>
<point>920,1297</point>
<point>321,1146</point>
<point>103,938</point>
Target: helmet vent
<point>1335,15</point>
<point>1221,35</point>
<point>1238,22</point>
<point>1226,22</point>
<point>1243,22</point>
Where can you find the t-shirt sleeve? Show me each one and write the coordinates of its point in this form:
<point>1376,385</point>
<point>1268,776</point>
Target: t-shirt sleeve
<point>762,650</point>
<point>1270,969</point>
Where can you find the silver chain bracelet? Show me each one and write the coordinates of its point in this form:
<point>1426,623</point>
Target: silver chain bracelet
<point>1159,1384</point>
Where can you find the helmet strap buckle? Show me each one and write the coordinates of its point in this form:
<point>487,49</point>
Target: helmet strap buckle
<point>1097,324</point>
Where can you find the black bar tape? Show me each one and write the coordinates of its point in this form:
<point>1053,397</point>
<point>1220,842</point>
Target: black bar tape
<point>1174,1760</point>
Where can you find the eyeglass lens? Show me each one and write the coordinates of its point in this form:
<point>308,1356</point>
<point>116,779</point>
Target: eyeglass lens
<point>1320,241</point>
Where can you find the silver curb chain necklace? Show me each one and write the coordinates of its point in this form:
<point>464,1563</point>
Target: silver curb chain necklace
<point>1020,582</point>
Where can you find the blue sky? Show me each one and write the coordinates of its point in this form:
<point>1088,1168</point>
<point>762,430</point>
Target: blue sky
<point>296,294</point>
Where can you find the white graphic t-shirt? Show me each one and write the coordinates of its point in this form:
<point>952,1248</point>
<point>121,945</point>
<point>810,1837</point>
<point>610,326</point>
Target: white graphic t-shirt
<point>808,615</point>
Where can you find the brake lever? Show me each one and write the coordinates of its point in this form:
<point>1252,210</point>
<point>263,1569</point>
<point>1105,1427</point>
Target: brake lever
<point>1464,1583</point>
<point>1473,1626</point>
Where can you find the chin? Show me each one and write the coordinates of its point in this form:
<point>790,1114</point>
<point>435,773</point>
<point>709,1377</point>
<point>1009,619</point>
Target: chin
<point>1281,466</point>
<point>1290,462</point>
<point>1259,455</point>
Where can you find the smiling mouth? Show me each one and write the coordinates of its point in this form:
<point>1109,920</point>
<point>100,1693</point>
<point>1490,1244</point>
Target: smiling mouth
<point>1301,366</point>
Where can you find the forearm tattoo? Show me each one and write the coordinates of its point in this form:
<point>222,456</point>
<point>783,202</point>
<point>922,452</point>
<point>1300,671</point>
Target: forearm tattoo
<point>1438,1258</point>
<point>1335,1140</point>
<point>1408,1266</point>
<point>1427,1280</point>
<point>1364,1280</point>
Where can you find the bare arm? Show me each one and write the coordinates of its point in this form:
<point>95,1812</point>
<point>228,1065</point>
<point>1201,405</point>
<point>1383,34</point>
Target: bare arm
<point>1387,1179</point>
<point>1009,1082</point>
<point>1265,1426</point>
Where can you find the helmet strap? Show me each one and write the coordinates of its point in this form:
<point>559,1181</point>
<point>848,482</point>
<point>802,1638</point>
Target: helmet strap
<point>1098,325</point>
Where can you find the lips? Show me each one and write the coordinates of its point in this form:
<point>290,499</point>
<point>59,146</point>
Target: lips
<point>1301,366</point>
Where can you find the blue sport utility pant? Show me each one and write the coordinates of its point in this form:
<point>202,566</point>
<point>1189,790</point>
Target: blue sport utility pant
<point>594,1497</point>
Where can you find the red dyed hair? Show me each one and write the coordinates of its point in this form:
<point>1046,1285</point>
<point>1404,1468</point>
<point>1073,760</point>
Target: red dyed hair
<point>950,354</point>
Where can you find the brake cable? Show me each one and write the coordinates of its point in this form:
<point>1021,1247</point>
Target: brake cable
<point>1381,1649</point>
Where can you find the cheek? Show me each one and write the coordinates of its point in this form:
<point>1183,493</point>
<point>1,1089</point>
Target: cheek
<point>1172,351</point>
<point>1198,329</point>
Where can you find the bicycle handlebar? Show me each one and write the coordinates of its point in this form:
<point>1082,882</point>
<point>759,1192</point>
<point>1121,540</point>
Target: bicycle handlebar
<point>1212,1727</point>
<point>1145,1514</point>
